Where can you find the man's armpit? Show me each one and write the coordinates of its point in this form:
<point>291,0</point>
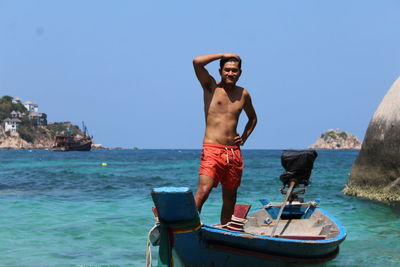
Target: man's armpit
<point>207,86</point>
<point>210,84</point>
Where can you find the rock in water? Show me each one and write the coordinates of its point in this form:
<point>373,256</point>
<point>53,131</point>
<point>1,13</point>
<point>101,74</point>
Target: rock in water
<point>336,139</point>
<point>376,172</point>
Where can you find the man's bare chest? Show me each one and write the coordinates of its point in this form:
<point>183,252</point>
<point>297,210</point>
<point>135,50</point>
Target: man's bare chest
<point>222,102</point>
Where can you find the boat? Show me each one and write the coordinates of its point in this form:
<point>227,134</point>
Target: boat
<point>68,141</point>
<point>277,233</point>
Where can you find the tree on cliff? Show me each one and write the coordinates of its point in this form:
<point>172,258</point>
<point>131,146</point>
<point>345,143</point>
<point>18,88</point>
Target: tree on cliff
<point>26,133</point>
<point>7,106</point>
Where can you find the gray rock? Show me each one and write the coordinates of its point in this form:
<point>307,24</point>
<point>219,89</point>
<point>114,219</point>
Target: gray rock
<point>375,173</point>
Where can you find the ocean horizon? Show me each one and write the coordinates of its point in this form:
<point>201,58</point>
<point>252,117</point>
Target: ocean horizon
<point>66,209</point>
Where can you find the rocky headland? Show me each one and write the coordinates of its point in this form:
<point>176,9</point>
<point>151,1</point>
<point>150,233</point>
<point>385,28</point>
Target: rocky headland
<point>336,140</point>
<point>376,172</point>
<point>37,137</point>
<point>23,127</point>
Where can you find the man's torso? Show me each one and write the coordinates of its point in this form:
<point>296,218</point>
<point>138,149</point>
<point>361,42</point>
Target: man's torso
<point>222,109</point>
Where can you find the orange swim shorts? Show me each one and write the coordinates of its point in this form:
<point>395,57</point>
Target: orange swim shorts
<point>222,163</point>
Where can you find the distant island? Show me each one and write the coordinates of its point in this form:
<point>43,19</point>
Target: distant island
<point>23,127</point>
<point>336,140</point>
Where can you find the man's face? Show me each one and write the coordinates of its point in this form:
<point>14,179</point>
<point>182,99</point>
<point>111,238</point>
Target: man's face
<point>230,73</point>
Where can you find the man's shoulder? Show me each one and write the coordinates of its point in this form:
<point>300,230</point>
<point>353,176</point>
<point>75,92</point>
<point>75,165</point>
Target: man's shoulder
<point>242,89</point>
<point>246,95</point>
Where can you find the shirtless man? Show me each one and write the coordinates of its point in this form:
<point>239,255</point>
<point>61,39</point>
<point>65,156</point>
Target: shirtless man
<point>221,159</point>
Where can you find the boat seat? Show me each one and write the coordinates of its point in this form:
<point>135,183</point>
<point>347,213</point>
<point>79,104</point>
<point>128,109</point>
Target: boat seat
<point>286,228</point>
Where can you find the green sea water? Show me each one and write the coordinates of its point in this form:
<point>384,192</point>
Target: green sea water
<point>65,209</point>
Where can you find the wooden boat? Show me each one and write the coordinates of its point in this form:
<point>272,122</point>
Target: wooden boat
<point>277,233</point>
<point>68,141</point>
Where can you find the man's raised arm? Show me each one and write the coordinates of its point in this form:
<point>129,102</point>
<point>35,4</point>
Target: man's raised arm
<point>199,63</point>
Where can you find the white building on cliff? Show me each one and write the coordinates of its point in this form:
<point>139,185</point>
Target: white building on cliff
<point>17,114</point>
<point>16,100</point>
<point>11,125</point>
<point>31,106</point>
<point>38,118</point>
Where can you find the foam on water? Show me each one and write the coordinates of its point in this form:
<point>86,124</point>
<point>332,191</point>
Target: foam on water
<point>65,209</point>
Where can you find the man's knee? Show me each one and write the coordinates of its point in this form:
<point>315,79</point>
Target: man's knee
<point>205,186</point>
<point>203,190</point>
<point>206,182</point>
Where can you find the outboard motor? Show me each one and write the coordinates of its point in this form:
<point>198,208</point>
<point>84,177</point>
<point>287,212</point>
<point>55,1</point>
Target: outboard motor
<point>298,165</point>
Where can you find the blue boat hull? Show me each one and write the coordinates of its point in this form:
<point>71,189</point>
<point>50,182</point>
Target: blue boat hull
<point>212,246</point>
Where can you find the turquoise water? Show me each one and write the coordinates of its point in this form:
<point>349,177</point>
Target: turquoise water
<point>65,209</point>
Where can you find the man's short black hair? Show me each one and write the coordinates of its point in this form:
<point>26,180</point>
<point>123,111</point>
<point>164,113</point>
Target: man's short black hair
<point>231,59</point>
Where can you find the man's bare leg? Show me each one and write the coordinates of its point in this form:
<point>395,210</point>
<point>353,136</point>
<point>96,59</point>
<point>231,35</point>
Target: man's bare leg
<point>228,206</point>
<point>203,190</point>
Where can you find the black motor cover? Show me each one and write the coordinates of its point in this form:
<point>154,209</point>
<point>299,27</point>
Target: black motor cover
<point>298,165</point>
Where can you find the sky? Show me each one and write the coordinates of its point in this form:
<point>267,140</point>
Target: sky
<point>125,67</point>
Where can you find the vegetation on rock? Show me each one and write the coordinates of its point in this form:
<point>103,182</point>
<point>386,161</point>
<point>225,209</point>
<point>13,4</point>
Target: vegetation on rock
<point>64,127</point>
<point>336,139</point>
<point>7,106</point>
<point>26,133</point>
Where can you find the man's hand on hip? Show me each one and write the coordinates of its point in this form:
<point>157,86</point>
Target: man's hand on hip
<point>238,140</point>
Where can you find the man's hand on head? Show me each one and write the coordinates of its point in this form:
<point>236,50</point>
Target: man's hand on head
<point>238,140</point>
<point>230,55</point>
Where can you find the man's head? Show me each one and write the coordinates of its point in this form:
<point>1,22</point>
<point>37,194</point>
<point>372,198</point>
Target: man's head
<point>230,59</point>
<point>230,70</point>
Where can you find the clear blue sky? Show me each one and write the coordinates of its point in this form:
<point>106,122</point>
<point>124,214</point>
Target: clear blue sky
<point>125,67</point>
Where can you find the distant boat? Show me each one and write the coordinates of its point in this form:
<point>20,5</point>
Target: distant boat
<point>68,141</point>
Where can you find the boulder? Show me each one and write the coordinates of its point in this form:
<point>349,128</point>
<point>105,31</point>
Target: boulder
<point>376,172</point>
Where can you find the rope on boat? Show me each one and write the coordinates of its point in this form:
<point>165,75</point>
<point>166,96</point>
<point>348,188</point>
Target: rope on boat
<point>237,222</point>
<point>149,258</point>
<point>148,247</point>
<point>167,230</point>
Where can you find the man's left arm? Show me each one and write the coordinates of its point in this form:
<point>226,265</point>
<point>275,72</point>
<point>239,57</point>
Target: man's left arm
<point>251,123</point>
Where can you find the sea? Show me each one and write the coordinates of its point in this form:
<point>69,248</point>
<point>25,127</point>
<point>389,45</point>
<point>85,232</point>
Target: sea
<point>94,208</point>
